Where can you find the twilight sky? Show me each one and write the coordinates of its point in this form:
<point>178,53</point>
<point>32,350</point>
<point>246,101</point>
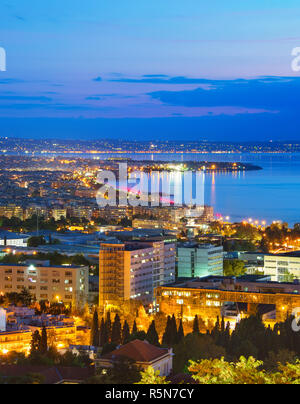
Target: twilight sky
<point>159,69</point>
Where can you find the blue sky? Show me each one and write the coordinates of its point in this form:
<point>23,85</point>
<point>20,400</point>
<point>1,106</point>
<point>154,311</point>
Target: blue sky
<point>161,69</point>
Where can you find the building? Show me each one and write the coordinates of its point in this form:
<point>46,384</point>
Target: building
<point>12,210</point>
<point>142,354</point>
<point>10,239</point>
<point>57,214</point>
<point>132,269</point>
<point>283,267</point>
<point>68,284</point>
<point>199,260</point>
<point>207,297</point>
<point>15,340</point>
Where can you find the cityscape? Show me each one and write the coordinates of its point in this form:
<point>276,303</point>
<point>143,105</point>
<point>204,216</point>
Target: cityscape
<point>149,215</point>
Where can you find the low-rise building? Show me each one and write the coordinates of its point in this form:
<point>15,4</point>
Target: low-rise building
<point>142,354</point>
<point>67,284</point>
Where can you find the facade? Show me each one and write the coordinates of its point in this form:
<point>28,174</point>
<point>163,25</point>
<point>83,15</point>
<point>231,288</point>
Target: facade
<point>207,297</point>
<point>10,239</point>
<point>131,270</point>
<point>199,260</point>
<point>142,354</point>
<point>68,284</point>
<point>59,213</point>
<point>12,210</point>
<point>16,340</point>
<point>280,267</point>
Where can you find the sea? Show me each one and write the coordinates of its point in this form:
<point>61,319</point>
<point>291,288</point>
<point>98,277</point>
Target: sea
<point>267,195</point>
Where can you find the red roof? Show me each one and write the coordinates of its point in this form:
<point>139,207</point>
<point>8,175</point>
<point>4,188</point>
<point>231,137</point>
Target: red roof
<point>138,351</point>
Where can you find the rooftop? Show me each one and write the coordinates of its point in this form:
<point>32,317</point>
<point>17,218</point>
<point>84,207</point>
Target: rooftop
<point>138,351</point>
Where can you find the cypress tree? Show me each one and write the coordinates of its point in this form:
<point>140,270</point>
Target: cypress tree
<point>167,337</point>
<point>125,333</point>
<point>108,326</point>
<point>44,341</point>
<point>94,340</point>
<point>103,333</point>
<point>152,336</point>
<point>174,336</point>
<point>196,325</point>
<point>134,328</point>
<point>116,331</point>
<point>35,346</point>
<point>180,333</point>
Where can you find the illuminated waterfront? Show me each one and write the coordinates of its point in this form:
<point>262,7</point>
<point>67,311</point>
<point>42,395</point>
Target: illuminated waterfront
<point>268,194</point>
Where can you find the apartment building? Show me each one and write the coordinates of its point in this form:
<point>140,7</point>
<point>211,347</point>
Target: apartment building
<point>67,284</point>
<point>12,210</point>
<point>199,260</point>
<point>59,213</point>
<point>284,267</point>
<point>131,270</point>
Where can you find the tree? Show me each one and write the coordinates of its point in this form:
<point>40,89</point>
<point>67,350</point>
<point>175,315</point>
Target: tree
<point>167,337</point>
<point>103,333</point>
<point>152,336</point>
<point>234,268</point>
<point>108,326</point>
<point>134,328</point>
<point>180,333</point>
<point>195,346</point>
<point>151,376</point>
<point>25,297</point>
<point>44,341</point>
<point>95,329</point>
<point>196,325</point>
<point>36,241</point>
<point>125,333</point>
<point>116,331</point>
<point>245,371</point>
<point>174,336</point>
<point>35,346</point>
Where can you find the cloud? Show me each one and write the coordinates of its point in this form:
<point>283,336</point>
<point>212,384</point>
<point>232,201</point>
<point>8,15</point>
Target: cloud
<point>93,98</point>
<point>266,92</point>
<point>24,98</point>
<point>11,81</point>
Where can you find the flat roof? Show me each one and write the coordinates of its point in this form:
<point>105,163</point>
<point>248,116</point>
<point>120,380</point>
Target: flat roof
<point>42,266</point>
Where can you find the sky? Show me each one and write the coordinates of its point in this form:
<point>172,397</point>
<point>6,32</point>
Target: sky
<point>155,70</point>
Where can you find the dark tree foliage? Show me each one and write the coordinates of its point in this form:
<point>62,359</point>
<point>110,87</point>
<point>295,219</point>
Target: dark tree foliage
<point>196,325</point>
<point>134,328</point>
<point>44,341</point>
<point>152,336</point>
<point>116,336</point>
<point>125,333</point>
<point>95,340</point>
